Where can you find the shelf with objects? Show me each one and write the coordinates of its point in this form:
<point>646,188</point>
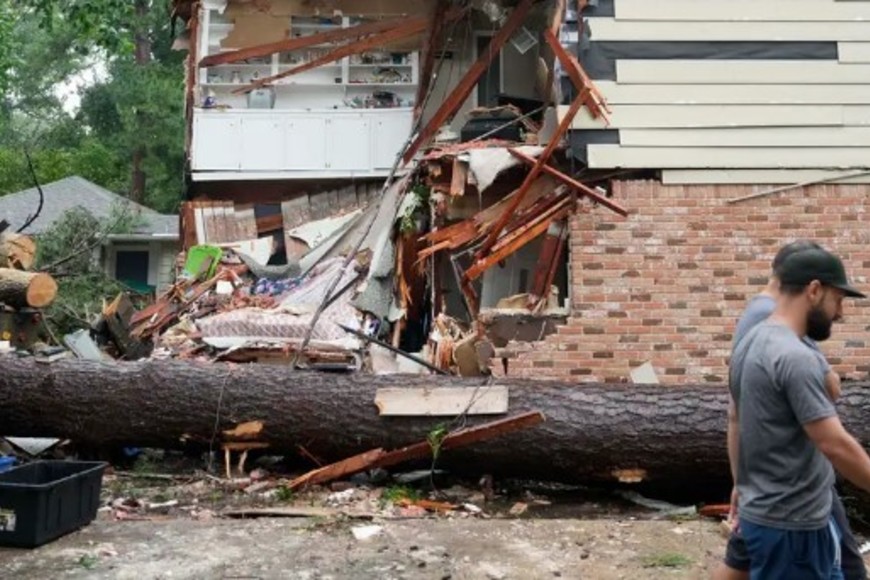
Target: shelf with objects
<point>382,77</point>
<point>346,117</point>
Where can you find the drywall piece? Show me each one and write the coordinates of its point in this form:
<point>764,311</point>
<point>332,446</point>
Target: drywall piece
<point>748,137</point>
<point>645,374</point>
<point>658,30</point>
<point>662,116</point>
<point>727,72</point>
<point>442,401</point>
<point>612,156</point>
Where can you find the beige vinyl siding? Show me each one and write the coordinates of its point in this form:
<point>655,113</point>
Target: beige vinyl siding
<point>850,52</point>
<point>794,94</point>
<point>748,137</point>
<point>652,116</point>
<point>663,30</point>
<point>742,10</point>
<point>607,156</point>
<point>762,176</point>
<point>727,72</point>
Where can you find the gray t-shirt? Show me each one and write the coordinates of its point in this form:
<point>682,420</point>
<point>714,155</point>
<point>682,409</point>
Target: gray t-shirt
<point>783,480</point>
<point>758,310</point>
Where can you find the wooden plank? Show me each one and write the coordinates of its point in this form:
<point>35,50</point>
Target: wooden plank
<point>586,89</point>
<point>748,137</point>
<point>756,176</point>
<point>435,30</point>
<point>460,93</point>
<point>442,401</point>
<point>270,223</point>
<point>743,10</point>
<point>339,469</point>
<point>301,42</point>
<point>686,116</point>
<point>581,188</point>
<point>726,72</point>
<point>461,438</point>
<point>459,177</point>
<point>604,29</point>
<point>854,52</point>
<point>794,94</point>
<point>612,156</point>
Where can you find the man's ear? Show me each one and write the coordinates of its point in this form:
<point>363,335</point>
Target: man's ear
<point>815,292</point>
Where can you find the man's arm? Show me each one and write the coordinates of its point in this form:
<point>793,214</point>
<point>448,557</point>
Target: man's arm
<point>733,438</point>
<point>833,385</point>
<point>842,450</point>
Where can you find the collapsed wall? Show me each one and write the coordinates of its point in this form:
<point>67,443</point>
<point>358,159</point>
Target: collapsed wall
<point>666,284</point>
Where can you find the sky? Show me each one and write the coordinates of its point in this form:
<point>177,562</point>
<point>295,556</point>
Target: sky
<point>69,91</point>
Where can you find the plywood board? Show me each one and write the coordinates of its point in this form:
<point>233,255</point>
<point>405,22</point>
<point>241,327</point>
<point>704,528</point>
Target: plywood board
<point>726,72</point>
<point>758,176</point>
<point>748,137</point>
<point>650,116</point>
<point>854,52</point>
<point>743,10</point>
<point>612,156</point>
<point>658,30</point>
<point>442,401</point>
<point>794,94</point>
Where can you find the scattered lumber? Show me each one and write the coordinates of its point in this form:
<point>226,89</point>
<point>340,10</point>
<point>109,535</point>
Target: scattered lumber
<point>593,432</point>
<point>22,289</point>
<point>17,251</point>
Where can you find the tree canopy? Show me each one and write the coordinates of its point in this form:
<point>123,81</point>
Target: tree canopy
<point>127,131</point>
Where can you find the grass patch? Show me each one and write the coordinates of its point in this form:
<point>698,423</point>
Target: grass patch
<point>284,494</point>
<point>88,561</point>
<point>666,560</point>
<point>396,493</point>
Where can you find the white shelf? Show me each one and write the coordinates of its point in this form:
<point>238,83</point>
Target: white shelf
<point>286,66</point>
<point>242,65</point>
<point>380,85</point>
<point>381,66</point>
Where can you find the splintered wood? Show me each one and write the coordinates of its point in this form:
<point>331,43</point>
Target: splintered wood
<point>444,401</point>
<point>379,458</point>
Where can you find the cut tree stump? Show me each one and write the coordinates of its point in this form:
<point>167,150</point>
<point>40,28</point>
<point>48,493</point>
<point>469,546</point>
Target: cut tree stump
<point>17,251</point>
<point>21,289</point>
<point>592,432</point>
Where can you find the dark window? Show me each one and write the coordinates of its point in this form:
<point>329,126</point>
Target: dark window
<point>490,83</point>
<point>132,267</point>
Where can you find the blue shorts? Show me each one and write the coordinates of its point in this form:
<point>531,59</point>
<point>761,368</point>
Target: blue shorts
<point>777,554</point>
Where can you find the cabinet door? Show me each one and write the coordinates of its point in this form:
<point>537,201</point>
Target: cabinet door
<point>216,142</point>
<point>391,131</point>
<point>262,143</point>
<point>348,143</point>
<point>305,143</point>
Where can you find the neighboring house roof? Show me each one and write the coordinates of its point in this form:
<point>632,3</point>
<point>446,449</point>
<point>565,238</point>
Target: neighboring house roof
<point>71,192</point>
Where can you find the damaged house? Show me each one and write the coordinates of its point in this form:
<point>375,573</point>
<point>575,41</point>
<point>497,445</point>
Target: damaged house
<point>555,189</point>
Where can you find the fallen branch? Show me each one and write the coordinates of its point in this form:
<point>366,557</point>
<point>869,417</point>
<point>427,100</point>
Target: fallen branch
<point>38,211</point>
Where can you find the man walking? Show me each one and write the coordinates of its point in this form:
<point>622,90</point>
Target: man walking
<point>736,563</point>
<point>789,431</point>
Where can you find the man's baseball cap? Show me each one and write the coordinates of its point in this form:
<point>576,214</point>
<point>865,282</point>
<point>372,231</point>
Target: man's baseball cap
<point>804,266</point>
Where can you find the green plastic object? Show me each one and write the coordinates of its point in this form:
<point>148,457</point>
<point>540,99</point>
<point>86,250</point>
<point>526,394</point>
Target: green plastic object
<point>202,261</point>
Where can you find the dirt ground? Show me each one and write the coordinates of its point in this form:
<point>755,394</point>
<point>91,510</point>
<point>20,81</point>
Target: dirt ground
<point>437,549</point>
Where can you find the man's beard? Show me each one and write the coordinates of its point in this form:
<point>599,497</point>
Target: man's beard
<point>819,324</point>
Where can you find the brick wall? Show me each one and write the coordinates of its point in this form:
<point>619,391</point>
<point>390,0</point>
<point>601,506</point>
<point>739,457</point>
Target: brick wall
<point>667,284</point>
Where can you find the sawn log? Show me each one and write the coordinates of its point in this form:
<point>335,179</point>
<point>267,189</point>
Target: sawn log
<point>591,432</point>
<point>18,289</point>
<point>17,251</point>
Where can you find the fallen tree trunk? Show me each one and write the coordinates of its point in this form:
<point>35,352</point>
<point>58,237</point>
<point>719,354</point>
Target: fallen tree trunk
<point>19,289</point>
<point>17,251</point>
<point>591,432</point>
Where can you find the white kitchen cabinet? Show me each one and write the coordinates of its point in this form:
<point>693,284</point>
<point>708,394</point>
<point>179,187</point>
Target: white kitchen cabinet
<point>306,140</point>
<point>262,143</point>
<point>389,133</point>
<point>211,136</point>
<point>348,146</point>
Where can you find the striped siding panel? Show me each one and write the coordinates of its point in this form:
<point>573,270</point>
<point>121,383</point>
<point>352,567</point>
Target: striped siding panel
<point>742,10</point>
<point>748,137</point>
<point>854,51</point>
<point>795,94</point>
<point>658,116</point>
<point>611,29</point>
<point>728,72</point>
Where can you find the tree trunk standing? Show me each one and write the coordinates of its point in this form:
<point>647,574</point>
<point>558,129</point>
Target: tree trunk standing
<point>143,58</point>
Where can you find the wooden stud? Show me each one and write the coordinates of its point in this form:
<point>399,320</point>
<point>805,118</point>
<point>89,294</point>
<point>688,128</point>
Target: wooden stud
<point>571,182</point>
<point>459,177</point>
<point>427,64</point>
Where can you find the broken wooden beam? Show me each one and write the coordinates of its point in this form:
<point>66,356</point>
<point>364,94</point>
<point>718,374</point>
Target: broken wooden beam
<point>454,101</point>
<point>581,188</point>
<point>458,178</point>
<point>548,262</point>
<point>586,90</point>
<point>427,61</point>
<point>441,401</point>
<point>461,438</point>
<point>289,44</point>
<point>410,28</point>
<point>338,470</point>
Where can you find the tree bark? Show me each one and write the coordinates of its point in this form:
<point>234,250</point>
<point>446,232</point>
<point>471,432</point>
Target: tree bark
<point>143,58</point>
<point>20,289</point>
<point>591,432</point>
<point>17,251</point>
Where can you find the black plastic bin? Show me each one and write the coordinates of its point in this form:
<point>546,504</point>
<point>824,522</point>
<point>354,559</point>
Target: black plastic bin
<point>44,500</point>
